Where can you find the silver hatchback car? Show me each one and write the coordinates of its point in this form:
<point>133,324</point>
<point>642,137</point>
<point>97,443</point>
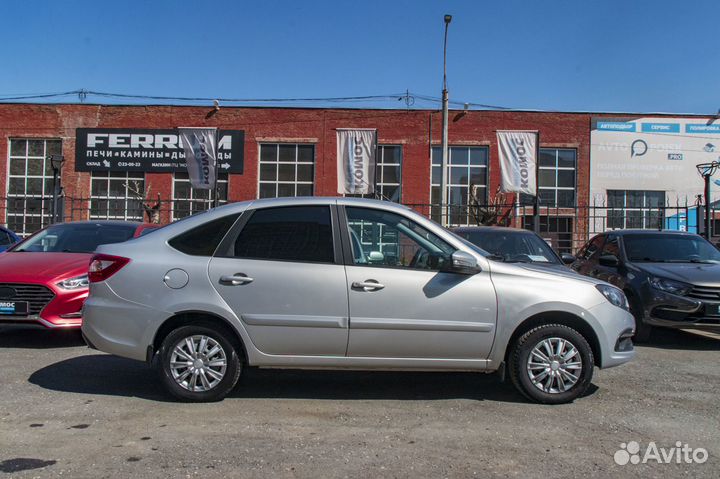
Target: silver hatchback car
<point>344,283</point>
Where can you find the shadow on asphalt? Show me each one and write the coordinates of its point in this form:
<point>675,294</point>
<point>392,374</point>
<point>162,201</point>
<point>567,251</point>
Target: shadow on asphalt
<point>663,338</point>
<point>26,336</point>
<point>110,375</point>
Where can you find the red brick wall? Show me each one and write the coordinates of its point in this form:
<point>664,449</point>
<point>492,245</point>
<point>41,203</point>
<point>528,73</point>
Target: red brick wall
<point>412,129</point>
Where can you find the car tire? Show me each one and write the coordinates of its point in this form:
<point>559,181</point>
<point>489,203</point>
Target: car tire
<point>198,363</point>
<point>553,384</point>
<point>643,331</point>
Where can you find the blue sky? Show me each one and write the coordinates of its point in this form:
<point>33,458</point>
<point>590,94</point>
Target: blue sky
<point>632,56</point>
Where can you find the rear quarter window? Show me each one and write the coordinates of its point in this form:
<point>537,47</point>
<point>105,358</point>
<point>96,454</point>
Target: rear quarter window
<point>204,239</point>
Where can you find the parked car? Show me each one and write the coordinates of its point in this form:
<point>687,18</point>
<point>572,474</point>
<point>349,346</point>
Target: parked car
<point>280,283</point>
<point>43,279</point>
<point>671,278</point>
<point>513,245</point>
<point>7,239</point>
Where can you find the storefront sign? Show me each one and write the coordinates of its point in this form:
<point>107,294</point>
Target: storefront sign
<point>152,151</point>
<point>356,151</point>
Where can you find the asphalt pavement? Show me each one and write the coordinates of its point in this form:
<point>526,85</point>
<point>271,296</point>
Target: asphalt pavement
<point>68,411</point>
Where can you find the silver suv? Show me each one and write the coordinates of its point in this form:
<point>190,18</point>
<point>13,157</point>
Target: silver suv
<point>344,283</point>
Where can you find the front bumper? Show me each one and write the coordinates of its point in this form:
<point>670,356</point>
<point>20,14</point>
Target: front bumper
<point>614,328</point>
<point>62,310</point>
<point>673,311</point>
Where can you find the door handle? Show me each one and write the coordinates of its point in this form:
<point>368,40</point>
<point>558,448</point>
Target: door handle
<point>368,285</point>
<point>236,279</point>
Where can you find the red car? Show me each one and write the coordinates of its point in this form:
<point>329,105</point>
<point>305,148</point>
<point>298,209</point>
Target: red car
<point>44,279</point>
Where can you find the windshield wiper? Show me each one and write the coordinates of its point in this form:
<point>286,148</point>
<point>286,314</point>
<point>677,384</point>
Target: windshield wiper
<point>693,260</point>
<point>649,260</point>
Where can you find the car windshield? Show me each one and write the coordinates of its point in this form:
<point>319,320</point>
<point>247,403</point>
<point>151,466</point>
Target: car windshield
<point>75,238</point>
<point>512,246</point>
<point>669,248</point>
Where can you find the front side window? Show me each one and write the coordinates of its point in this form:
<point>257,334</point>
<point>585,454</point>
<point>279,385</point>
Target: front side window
<point>286,170</point>
<point>637,209</point>
<point>29,190</point>
<point>117,195</point>
<point>188,200</point>
<point>467,182</point>
<point>296,233</point>
<point>592,248</point>
<point>385,239</point>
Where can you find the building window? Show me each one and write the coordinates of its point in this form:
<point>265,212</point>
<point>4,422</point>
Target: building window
<point>556,178</point>
<point>286,170</point>
<point>388,174</point>
<point>117,195</point>
<point>29,190</point>
<point>635,209</point>
<point>467,182</point>
<point>188,200</point>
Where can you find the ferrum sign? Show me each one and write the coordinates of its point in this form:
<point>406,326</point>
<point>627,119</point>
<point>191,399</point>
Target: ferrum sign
<point>152,151</point>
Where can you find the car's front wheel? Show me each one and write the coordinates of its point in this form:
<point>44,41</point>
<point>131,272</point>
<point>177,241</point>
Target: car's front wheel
<point>198,363</point>
<point>551,364</point>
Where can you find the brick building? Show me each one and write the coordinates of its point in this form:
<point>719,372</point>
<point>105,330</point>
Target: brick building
<point>281,152</point>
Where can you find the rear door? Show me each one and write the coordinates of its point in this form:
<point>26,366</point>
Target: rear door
<point>281,272</point>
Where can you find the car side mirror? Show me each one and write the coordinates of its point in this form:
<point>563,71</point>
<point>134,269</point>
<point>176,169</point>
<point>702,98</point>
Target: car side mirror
<point>608,260</point>
<point>376,257</point>
<point>567,258</point>
<point>464,263</point>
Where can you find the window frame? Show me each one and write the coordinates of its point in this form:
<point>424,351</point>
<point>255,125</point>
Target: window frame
<point>624,209</point>
<point>223,178</point>
<point>276,182</point>
<point>126,199</point>
<point>226,250</point>
<point>45,198</point>
<point>450,184</point>
<point>381,185</point>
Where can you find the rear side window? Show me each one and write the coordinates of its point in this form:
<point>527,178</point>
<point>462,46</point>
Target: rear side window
<point>203,240</point>
<point>297,233</point>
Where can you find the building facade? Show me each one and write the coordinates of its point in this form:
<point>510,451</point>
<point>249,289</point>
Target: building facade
<point>119,158</point>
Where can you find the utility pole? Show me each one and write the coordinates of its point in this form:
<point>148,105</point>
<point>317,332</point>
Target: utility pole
<point>444,216</point>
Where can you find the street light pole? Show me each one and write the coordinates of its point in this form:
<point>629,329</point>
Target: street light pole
<point>443,166</point>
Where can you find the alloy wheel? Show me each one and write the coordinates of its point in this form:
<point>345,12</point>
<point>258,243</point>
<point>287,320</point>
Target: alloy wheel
<point>198,363</point>
<point>554,365</point>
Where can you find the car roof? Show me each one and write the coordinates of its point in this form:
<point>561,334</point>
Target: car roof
<point>494,229</point>
<point>106,222</point>
<point>648,232</point>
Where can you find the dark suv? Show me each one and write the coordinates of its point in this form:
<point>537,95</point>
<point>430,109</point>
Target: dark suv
<point>671,278</point>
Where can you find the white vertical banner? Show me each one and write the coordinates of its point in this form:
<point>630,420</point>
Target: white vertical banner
<point>200,145</point>
<point>356,151</point>
<point>518,151</point>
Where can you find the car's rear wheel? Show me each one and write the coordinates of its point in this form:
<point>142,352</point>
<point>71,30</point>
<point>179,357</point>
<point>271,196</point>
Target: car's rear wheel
<point>551,364</point>
<point>198,363</point>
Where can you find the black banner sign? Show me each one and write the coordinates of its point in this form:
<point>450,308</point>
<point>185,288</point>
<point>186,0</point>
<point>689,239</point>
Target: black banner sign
<point>152,151</point>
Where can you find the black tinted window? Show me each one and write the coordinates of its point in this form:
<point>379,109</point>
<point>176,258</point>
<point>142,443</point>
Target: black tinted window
<point>203,240</point>
<point>4,238</point>
<point>298,233</point>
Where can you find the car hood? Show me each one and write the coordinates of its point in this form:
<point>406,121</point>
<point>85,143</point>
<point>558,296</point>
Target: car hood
<point>531,269</point>
<point>41,267</point>
<point>701,274</point>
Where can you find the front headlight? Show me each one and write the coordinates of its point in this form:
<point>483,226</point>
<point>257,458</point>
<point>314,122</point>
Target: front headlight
<point>78,282</point>
<point>614,295</point>
<point>670,286</point>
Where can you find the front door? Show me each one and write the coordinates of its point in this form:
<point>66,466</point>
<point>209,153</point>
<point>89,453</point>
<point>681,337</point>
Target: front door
<point>283,277</point>
<point>401,304</point>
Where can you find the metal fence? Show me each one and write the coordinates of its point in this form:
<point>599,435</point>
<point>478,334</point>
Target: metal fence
<point>565,228</point>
